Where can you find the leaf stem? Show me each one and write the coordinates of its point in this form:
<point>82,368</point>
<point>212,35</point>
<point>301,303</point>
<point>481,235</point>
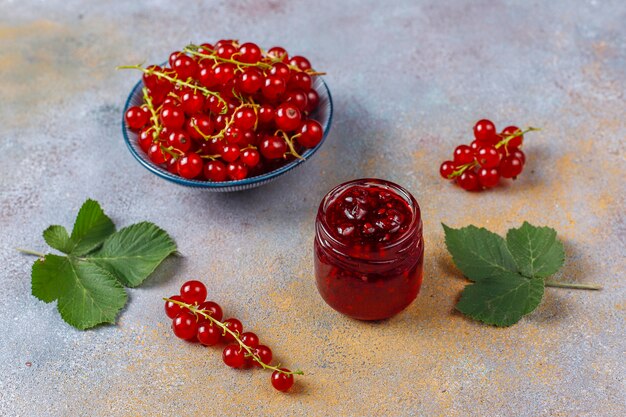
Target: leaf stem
<point>31,252</point>
<point>573,285</point>
<point>206,314</point>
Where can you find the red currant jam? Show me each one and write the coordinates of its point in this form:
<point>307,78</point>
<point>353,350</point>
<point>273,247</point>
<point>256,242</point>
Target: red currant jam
<point>369,251</point>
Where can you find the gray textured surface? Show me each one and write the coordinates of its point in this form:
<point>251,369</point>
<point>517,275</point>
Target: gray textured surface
<point>409,79</point>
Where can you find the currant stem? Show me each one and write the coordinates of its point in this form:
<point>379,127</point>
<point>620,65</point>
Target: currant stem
<point>573,285</point>
<point>31,252</point>
<point>508,138</point>
<point>292,149</point>
<point>462,169</point>
<point>225,328</point>
<point>154,117</point>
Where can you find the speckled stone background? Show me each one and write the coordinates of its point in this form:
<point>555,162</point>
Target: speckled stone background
<point>409,79</point>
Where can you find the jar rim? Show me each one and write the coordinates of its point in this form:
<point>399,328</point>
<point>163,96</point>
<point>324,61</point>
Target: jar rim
<point>398,243</point>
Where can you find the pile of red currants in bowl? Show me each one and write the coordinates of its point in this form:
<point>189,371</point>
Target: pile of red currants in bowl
<point>488,158</point>
<point>226,111</point>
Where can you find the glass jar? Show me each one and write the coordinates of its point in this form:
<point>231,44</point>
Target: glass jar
<point>369,251</point>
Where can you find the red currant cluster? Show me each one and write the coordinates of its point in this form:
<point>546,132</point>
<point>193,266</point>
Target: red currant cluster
<point>226,111</point>
<point>489,157</point>
<point>197,320</point>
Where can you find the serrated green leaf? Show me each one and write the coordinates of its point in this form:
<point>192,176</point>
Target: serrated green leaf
<point>91,228</point>
<point>57,237</point>
<point>501,300</point>
<point>479,253</point>
<point>134,252</point>
<point>49,277</point>
<point>536,250</point>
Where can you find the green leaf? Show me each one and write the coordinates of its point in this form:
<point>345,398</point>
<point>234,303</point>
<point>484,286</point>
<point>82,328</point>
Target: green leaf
<point>91,228</point>
<point>134,252</point>
<point>479,253</point>
<point>501,300</point>
<point>536,250</point>
<point>87,294</point>
<point>49,277</point>
<point>57,237</point>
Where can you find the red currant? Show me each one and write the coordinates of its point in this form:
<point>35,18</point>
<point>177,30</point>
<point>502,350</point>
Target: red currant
<point>234,326</point>
<point>250,157</point>
<point>185,325</point>
<point>172,117</point>
<point>206,76</point>
<point>446,169</point>
<point>488,157</point>
<point>245,118</point>
<point>234,356</point>
<point>236,171</point>
<point>297,97</point>
<point>225,50</point>
<point>313,100</point>
<point>488,177</point>
<point>185,67</point>
<point>213,309</point>
<point>264,353</point>
<point>273,87</point>
<point>278,52</point>
<point>475,145</point>
<point>250,339</point>
<point>249,53</point>
<point>215,171</point>
<point>311,134</point>
<point>266,114</point>
<point>224,73</point>
<point>234,136</point>
<point>468,180</point>
<point>515,142</point>
<point>193,292</point>
<point>190,166</point>
<point>137,117</point>
<point>463,155</point>
<point>250,81</point>
<point>230,153</point>
<point>173,309</point>
<point>156,155</point>
<point>287,117</point>
<point>300,62</point>
<point>208,333</point>
<point>511,166</point>
<point>281,381</point>
<point>519,154</point>
<point>173,56</point>
<point>191,102</point>
<point>179,141</point>
<point>300,81</point>
<point>145,138</point>
<point>198,126</point>
<point>273,147</point>
<point>280,70</point>
<point>485,131</point>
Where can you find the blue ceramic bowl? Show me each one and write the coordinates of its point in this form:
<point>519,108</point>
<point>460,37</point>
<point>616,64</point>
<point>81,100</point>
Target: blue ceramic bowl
<point>323,115</point>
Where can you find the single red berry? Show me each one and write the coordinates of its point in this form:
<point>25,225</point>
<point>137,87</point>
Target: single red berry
<point>519,154</point>
<point>223,42</point>
<point>250,157</point>
<point>236,171</point>
<point>281,381</point>
<point>190,166</point>
<point>206,48</point>
<point>193,292</point>
<point>208,333</point>
<point>156,155</point>
<point>173,309</point>
<point>230,153</point>
<point>488,177</point>
<point>311,134</point>
<point>215,105</point>
<point>485,131</point>
<point>446,169</point>
<point>287,117</point>
<point>468,181</point>
<point>234,356</point>
<point>264,353</point>
<point>225,50</point>
<point>234,326</point>
<point>215,171</point>
<point>488,156</point>
<point>300,81</point>
<point>250,81</point>
<point>249,53</point>
<point>511,166</point>
<point>206,75</point>
<point>475,145</point>
<point>463,155</point>
<point>266,114</point>
<point>180,141</point>
<point>313,100</point>
<point>224,73</point>
<point>273,87</point>
<point>280,70</point>
<point>515,142</point>
<point>145,138</point>
<point>219,122</point>
<point>245,118</point>
<point>234,136</point>
<point>173,57</point>
<point>250,339</point>
<point>137,117</point>
<point>172,165</point>
<point>185,325</point>
<point>213,309</point>
<point>172,117</point>
<point>300,62</point>
<point>278,52</point>
<point>185,67</point>
<point>297,97</point>
<point>198,126</point>
<point>192,102</point>
<point>273,147</point>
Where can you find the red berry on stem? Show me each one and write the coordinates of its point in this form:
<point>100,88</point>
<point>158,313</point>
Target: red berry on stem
<point>273,147</point>
<point>250,157</point>
<point>287,117</point>
<point>463,155</point>
<point>273,87</point>
<point>225,50</point>
<point>250,339</point>
<point>230,153</point>
<point>311,134</point>
<point>511,166</point>
<point>300,62</point>
<point>446,169</point>
<point>179,141</point>
<point>515,142</point>
<point>281,381</point>
<point>298,98</point>
<point>488,177</point>
<point>264,353</point>
<point>215,171</point>
<point>485,131</point>
<point>250,81</point>
<point>488,157</point>
<point>137,117</point>
<point>208,333</point>
<point>193,292</point>
<point>172,117</point>
<point>234,356</point>
<point>191,102</point>
<point>173,309</point>
<point>278,52</point>
<point>190,166</point>
<point>236,171</point>
<point>145,138</point>
<point>266,114</point>
<point>198,125</point>
<point>234,326</point>
<point>185,325</point>
<point>213,309</point>
<point>281,70</point>
<point>519,154</point>
<point>475,145</point>
<point>206,76</point>
<point>245,118</point>
<point>156,155</point>
<point>313,100</point>
<point>185,67</point>
<point>249,53</point>
<point>468,181</point>
<point>224,73</point>
<point>300,81</point>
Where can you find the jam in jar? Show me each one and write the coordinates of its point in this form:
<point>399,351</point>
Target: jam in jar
<point>369,251</point>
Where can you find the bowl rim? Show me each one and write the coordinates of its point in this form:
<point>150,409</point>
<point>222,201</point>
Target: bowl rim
<point>223,184</point>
